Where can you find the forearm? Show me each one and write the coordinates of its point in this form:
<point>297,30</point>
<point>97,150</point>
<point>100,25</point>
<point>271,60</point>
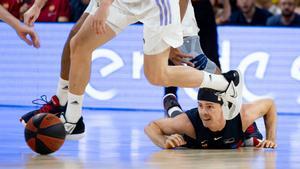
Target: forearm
<point>156,135</point>
<point>107,2</point>
<point>40,3</point>
<point>227,7</point>
<point>270,119</point>
<point>183,6</point>
<point>9,18</point>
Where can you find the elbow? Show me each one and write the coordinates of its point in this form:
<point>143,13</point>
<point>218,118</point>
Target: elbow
<point>270,102</point>
<point>272,105</point>
<point>149,128</point>
<point>154,134</point>
<point>271,109</point>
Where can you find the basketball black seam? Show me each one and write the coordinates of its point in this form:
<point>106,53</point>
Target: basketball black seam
<point>41,148</point>
<point>37,123</point>
<point>43,131</point>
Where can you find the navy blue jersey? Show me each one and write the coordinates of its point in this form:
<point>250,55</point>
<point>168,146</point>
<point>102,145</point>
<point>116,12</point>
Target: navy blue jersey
<point>260,18</point>
<point>230,137</point>
<point>276,21</point>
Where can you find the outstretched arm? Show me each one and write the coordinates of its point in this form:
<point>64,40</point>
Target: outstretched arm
<point>262,108</point>
<point>8,18</point>
<point>22,30</point>
<point>166,133</point>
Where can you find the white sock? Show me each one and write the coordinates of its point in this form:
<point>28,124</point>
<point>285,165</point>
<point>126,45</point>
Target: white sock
<point>62,91</point>
<point>74,107</point>
<point>213,81</point>
<point>174,109</point>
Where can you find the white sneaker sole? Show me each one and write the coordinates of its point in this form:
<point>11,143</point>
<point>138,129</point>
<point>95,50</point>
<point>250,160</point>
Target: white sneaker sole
<point>236,102</point>
<point>75,136</point>
<point>24,123</point>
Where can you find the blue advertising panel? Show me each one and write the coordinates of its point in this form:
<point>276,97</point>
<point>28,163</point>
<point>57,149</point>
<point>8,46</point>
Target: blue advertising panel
<point>269,58</point>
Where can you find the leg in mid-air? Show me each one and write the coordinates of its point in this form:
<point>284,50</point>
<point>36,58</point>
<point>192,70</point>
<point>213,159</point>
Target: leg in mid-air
<point>191,45</point>
<point>230,84</point>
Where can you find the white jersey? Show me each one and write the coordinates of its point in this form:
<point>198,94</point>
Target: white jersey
<point>131,1</point>
<point>189,23</point>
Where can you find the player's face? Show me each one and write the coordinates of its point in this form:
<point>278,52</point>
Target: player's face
<point>246,5</point>
<point>287,7</point>
<point>210,113</point>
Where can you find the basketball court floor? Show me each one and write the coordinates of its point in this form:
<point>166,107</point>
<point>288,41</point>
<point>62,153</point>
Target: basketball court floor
<point>116,139</point>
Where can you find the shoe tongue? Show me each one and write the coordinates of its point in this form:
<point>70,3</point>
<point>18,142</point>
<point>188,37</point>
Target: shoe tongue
<point>55,100</point>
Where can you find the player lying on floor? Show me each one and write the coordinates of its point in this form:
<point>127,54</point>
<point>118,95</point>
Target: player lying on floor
<point>207,127</point>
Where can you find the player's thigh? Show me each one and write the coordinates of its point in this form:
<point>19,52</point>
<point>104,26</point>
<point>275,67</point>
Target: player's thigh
<point>162,28</point>
<point>86,38</point>
<point>117,20</point>
<point>156,64</point>
<point>158,41</point>
<point>79,23</point>
<point>83,17</point>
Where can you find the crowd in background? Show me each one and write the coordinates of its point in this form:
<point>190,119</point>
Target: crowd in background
<point>208,14</point>
<point>232,12</point>
<point>258,12</point>
<point>53,11</point>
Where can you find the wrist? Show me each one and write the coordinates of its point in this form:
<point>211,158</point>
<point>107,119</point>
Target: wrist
<point>271,138</point>
<point>106,3</point>
<point>163,142</point>
<point>16,24</point>
<point>37,6</point>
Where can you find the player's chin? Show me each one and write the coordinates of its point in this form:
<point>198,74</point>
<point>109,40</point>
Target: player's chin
<point>207,123</point>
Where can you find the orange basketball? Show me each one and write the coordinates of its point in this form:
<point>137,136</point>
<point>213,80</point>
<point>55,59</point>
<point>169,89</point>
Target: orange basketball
<point>45,133</point>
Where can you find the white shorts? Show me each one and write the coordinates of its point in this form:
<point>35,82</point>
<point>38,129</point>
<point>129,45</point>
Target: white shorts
<point>161,19</point>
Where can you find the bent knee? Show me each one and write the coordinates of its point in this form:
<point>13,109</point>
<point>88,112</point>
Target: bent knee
<point>158,79</point>
<point>78,24</point>
<point>73,47</point>
<point>271,101</point>
<point>77,45</point>
<point>75,28</point>
<point>78,50</point>
<point>74,43</point>
<point>73,31</point>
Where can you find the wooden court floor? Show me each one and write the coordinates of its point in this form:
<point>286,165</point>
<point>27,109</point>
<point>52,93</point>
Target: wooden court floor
<point>117,140</point>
